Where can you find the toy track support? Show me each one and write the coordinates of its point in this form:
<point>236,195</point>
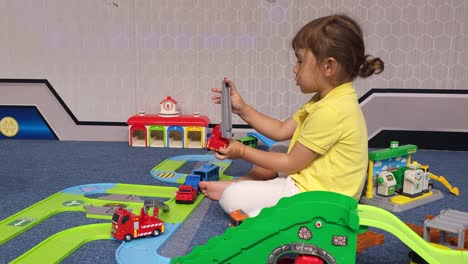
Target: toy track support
<point>452,189</point>
<point>369,239</point>
<point>384,220</point>
<point>434,234</point>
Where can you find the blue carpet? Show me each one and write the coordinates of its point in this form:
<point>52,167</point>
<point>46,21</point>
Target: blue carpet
<point>33,170</point>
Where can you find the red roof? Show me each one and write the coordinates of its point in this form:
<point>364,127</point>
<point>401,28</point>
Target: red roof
<point>183,120</point>
<point>169,98</point>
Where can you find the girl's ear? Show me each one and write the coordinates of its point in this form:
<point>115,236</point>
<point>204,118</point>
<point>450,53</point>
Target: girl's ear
<point>330,67</point>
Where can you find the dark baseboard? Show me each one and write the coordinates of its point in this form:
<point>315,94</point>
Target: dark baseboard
<point>457,141</point>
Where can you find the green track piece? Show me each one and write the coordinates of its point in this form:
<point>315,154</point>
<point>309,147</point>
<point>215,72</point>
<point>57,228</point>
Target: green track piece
<point>223,168</point>
<point>143,190</point>
<point>170,165</point>
<point>306,222</point>
<point>57,247</point>
<point>178,213</point>
<point>18,223</point>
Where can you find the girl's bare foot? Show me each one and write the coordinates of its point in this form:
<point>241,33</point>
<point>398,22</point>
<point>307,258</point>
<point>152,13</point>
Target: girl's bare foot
<point>214,189</point>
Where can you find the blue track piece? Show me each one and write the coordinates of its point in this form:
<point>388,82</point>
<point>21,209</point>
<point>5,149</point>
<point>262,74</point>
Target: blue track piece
<point>145,250</point>
<point>266,141</point>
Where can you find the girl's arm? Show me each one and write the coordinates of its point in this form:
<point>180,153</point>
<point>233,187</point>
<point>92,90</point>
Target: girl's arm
<point>266,125</point>
<point>297,159</point>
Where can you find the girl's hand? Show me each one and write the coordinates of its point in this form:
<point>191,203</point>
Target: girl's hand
<point>235,150</point>
<point>237,102</point>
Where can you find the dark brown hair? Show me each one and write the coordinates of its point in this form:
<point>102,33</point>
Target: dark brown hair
<point>340,37</point>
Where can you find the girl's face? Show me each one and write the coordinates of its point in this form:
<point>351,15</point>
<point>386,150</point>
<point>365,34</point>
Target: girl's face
<point>308,77</point>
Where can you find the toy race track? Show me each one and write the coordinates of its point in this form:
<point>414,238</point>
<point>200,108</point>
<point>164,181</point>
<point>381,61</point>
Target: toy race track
<point>75,199</point>
<point>335,218</point>
<point>106,198</point>
<point>67,241</point>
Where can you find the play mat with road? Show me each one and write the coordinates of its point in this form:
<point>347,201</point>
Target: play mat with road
<point>99,201</point>
<point>289,234</point>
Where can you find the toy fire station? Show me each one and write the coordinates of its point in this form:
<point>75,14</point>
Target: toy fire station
<point>168,129</point>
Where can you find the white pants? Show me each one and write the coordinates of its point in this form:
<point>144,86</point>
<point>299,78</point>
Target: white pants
<point>253,196</point>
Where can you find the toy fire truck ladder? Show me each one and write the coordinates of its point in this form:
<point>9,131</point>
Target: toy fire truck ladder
<point>155,204</point>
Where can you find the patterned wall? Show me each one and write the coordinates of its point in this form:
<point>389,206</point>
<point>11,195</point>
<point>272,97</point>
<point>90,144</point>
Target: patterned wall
<point>108,59</point>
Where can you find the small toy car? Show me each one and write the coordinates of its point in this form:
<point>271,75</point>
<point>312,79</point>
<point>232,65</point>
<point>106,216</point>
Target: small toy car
<point>236,217</point>
<point>186,194</point>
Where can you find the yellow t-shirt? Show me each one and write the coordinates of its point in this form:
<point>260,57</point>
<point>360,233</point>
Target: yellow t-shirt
<point>334,127</point>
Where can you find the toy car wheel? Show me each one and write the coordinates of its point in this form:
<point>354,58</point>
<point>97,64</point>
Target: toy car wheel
<point>128,237</point>
<point>430,186</point>
<point>156,232</point>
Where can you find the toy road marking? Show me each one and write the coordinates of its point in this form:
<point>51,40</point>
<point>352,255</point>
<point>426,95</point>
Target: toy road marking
<point>22,221</point>
<point>166,175</point>
<point>73,203</point>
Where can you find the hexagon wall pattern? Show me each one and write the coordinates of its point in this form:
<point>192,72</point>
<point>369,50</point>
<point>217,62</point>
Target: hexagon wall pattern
<point>110,58</point>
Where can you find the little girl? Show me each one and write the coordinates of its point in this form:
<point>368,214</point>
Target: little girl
<point>328,149</point>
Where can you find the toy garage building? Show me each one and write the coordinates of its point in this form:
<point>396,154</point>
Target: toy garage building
<point>396,184</point>
<point>168,129</point>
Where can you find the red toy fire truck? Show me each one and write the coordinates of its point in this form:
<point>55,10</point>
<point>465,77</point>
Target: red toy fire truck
<point>216,140</point>
<point>127,225</point>
<point>220,135</point>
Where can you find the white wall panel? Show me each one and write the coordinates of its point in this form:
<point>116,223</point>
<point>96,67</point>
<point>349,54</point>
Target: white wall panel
<point>108,59</point>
